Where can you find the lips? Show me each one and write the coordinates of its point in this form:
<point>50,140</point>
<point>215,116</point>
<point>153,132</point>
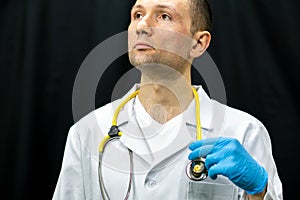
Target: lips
<point>142,46</point>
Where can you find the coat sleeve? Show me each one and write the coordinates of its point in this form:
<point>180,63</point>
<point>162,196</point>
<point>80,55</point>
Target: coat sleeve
<point>70,182</point>
<point>258,144</point>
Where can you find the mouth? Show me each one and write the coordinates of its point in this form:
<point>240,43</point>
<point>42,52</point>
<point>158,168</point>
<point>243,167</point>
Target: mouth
<point>142,46</point>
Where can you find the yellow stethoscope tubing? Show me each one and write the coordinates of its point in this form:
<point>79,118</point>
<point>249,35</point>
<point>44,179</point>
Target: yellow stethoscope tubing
<point>198,121</point>
<point>122,104</point>
<point>107,138</point>
<point>115,118</point>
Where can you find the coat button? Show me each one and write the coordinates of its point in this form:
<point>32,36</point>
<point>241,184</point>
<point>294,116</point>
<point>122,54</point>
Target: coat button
<point>151,183</point>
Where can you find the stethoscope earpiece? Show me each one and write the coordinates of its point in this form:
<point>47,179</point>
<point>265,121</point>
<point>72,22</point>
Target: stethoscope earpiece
<point>196,170</point>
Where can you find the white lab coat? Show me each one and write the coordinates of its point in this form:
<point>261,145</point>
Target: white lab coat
<point>159,154</point>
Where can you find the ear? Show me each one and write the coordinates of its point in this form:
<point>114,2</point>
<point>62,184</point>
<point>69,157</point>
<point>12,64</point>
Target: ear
<point>202,41</point>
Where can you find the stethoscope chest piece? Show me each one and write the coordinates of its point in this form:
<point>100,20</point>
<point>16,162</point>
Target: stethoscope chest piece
<point>196,170</point>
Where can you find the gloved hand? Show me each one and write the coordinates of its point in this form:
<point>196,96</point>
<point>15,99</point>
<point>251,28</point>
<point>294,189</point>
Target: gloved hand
<point>227,157</point>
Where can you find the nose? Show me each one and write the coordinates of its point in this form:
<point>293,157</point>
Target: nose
<point>144,26</point>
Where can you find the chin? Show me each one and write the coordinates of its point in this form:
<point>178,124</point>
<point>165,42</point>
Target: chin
<point>137,60</point>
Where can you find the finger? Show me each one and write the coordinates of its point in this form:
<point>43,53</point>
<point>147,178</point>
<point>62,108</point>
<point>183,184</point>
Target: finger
<point>214,158</point>
<point>203,142</point>
<point>216,170</point>
<point>200,152</point>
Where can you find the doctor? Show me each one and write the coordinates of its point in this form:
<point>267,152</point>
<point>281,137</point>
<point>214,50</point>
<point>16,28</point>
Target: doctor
<point>159,124</point>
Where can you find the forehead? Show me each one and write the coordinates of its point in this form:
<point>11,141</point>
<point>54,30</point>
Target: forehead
<point>179,5</point>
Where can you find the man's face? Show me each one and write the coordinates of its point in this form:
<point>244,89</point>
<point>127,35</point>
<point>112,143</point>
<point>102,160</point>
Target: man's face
<point>159,32</point>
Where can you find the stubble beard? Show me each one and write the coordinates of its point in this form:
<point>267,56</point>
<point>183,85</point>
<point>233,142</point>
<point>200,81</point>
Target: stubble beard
<point>161,58</point>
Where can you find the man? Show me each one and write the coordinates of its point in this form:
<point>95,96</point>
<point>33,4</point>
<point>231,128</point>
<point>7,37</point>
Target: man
<point>159,124</point>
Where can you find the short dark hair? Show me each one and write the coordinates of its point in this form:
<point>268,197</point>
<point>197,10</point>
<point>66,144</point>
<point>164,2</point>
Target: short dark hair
<point>201,15</point>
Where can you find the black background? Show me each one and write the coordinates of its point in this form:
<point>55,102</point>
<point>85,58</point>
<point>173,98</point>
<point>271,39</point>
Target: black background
<point>43,43</point>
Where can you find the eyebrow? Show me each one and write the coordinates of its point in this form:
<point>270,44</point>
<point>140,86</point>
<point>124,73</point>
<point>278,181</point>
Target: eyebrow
<point>137,6</point>
<point>158,6</point>
<point>166,7</point>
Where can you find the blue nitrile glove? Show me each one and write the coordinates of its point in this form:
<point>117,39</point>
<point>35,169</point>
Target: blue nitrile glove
<point>227,157</point>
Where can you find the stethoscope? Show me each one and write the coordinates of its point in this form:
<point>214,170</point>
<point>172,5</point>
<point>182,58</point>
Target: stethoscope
<point>195,170</point>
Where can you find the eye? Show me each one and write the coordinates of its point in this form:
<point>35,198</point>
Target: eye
<point>165,17</point>
<point>138,15</point>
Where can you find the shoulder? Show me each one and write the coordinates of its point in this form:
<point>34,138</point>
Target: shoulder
<point>85,135</point>
<point>240,117</point>
<point>240,124</point>
<point>98,119</point>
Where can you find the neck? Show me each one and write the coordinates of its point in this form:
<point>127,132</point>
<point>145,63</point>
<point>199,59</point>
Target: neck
<point>164,97</point>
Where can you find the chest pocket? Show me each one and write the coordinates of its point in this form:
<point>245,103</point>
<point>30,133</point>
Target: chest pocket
<point>211,191</point>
